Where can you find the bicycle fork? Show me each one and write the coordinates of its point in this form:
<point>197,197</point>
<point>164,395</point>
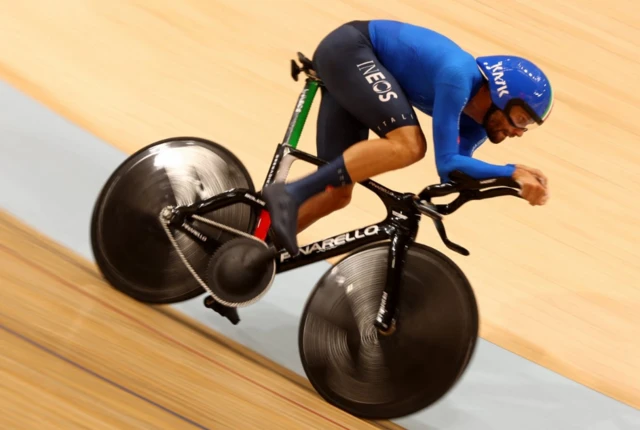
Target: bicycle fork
<point>386,318</point>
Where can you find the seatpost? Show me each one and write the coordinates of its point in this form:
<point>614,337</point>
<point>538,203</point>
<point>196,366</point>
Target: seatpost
<point>300,113</point>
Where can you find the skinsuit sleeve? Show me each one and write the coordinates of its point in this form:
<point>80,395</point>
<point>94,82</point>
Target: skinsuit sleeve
<point>451,96</point>
<point>472,136</point>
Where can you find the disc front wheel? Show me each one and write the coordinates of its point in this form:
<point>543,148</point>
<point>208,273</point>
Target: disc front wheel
<point>374,376</point>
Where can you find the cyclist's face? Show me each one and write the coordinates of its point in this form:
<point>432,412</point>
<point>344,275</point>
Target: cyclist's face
<point>520,118</point>
<point>499,126</point>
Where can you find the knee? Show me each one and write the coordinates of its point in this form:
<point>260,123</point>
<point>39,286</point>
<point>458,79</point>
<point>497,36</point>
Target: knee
<point>341,197</point>
<point>410,144</point>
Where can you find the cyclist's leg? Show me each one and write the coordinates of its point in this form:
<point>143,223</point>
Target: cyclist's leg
<point>336,131</point>
<point>366,89</point>
<point>323,204</point>
<point>347,64</point>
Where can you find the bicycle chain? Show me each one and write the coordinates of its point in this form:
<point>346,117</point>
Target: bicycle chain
<point>165,224</point>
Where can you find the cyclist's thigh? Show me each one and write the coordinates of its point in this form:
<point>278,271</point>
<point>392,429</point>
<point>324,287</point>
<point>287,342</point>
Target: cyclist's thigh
<point>336,129</point>
<point>352,73</point>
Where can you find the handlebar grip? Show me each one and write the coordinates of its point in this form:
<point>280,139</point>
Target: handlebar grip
<point>510,182</point>
<point>497,192</point>
<point>496,182</point>
<point>462,182</point>
<point>466,181</point>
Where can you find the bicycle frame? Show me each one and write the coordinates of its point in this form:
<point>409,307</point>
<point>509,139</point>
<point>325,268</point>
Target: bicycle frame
<point>402,218</point>
<point>399,228</point>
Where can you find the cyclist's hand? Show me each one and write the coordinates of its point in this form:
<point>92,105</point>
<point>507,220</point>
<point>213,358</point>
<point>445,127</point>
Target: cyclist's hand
<point>533,184</point>
<point>537,173</point>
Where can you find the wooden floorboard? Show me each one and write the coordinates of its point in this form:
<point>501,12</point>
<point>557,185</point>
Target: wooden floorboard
<point>75,351</point>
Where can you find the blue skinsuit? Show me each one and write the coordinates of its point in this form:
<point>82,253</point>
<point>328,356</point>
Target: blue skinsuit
<point>439,78</point>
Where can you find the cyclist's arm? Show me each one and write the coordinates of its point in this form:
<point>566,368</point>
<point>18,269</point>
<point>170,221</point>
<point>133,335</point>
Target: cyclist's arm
<point>469,145</point>
<point>472,136</point>
<point>449,102</point>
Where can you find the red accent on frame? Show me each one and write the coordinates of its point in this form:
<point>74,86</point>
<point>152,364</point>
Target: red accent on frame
<point>263,225</point>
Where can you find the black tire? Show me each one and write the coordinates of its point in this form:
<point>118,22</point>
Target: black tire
<point>129,244</point>
<point>434,339</point>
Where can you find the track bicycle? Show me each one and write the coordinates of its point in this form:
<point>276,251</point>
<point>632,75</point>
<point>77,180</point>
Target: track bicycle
<point>386,331</point>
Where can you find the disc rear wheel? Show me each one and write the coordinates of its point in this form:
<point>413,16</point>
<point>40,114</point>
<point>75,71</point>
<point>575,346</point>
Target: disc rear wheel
<point>374,376</point>
<point>130,244</point>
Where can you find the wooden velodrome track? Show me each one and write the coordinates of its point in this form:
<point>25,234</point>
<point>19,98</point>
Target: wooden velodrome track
<point>559,285</point>
<point>75,346</point>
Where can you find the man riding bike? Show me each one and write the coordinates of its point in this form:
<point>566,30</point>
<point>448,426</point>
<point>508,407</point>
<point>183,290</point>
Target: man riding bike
<point>374,74</point>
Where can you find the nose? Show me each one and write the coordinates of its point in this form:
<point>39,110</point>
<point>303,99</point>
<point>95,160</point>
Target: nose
<point>517,132</point>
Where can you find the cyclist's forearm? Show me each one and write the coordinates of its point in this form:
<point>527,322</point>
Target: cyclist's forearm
<point>477,169</point>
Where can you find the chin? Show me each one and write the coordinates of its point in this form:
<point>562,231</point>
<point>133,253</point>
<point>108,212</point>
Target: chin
<point>496,137</point>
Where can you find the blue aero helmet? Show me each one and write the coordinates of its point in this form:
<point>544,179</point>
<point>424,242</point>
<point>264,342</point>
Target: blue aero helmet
<point>516,81</point>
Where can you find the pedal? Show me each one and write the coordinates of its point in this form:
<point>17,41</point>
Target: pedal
<point>225,311</point>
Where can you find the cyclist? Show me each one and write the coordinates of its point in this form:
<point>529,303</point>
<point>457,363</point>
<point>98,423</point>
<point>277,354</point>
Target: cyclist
<point>375,73</point>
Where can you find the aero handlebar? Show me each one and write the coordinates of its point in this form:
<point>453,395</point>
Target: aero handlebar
<point>468,189</point>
